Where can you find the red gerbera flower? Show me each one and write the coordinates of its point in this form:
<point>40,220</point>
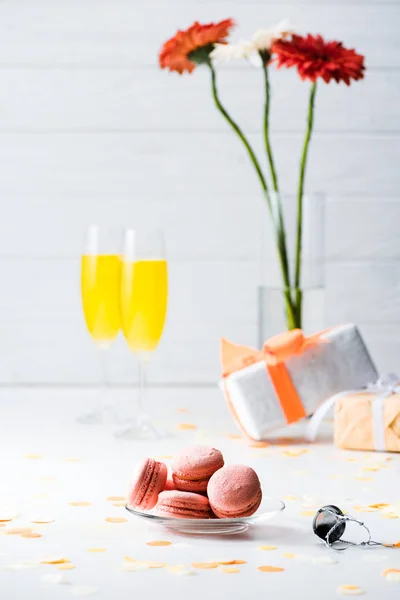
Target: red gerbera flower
<point>314,57</point>
<point>193,46</point>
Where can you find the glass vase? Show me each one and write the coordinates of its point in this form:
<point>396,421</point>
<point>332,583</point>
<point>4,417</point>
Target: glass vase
<point>283,305</point>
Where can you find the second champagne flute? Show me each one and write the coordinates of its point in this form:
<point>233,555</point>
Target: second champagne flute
<point>144,294</point>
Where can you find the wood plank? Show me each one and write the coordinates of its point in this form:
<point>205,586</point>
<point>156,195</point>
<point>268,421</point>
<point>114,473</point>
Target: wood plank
<point>62,353</point>
<point>147,100</point>
<point>198,292</point>
<point>365,292</point>
<point>150,164</point>
<point>384,344</point>
<point>225,226</point>
<point>363,229</point>
<point>117,33</point>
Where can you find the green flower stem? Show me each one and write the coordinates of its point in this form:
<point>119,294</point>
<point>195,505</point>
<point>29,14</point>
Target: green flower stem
<point>290,309</point>
<point>266,130</point>
<point>241,135</point>
<point>274,177</point>
<point>300,194</point>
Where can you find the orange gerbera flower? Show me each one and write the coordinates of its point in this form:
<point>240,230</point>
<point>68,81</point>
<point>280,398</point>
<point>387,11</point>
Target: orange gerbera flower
<point>314,57</point>
<point>187,48</point>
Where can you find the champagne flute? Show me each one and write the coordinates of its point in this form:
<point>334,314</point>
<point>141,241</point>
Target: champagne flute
<point>144,294</point>
<point>100,287</point>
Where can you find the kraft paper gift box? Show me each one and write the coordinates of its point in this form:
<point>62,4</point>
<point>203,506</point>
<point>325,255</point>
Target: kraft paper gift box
<point>292,376</point>
<point>365,419</point>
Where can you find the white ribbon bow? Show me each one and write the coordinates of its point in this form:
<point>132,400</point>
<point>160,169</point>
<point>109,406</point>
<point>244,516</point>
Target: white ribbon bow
<point>383,388</point>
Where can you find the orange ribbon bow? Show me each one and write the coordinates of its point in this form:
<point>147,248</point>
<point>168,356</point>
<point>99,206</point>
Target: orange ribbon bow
<point>275,352</point>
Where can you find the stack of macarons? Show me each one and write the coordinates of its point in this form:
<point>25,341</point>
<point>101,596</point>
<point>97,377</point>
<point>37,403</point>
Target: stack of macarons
<point>201,486</point>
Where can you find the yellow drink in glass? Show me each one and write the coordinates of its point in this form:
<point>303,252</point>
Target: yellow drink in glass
<point>100,284</point>
<point>144,294</point>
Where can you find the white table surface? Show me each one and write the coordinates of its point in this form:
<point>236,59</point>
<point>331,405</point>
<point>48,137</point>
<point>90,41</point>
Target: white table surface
<point>42,422</point>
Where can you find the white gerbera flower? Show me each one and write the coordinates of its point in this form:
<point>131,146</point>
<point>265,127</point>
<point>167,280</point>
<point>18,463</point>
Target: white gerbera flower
<point>264,38</point>
<point>250,50</point>
<point>226,52</point>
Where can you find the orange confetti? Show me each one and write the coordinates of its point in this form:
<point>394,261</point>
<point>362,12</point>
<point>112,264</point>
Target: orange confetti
<point>235,561</point>
<point>72,459</point>
<point>229,570</point>
<point>165,456</point>
<point>116,520</point>
<point>389,516</point>
<point>80,503</point>
<point>387,571</point>
<point>364,479</point>
<point>379,505</point>
<point>365,509</point>
<point>18,531</point>
<point>129,559</point>
<point>95,550</point>
<point>115,498</point>
<point>182,410</point>
<point>31,535</point>
<point>32,456</point>
<point>259,444</point>
<point>158,543</point>
<point>295,453</point>
<point>65,566</point>
<point>350,590</point>
<point>205,565</point>
<point>42,520</point>
<point>307,513</point>
<point>372,469</point>
<point>396,545</point>
<point>119,504</point>
<point>267,547</point>
<point>56,560</point>
<point>152,564</point>
<point>289,555</point>
<point>186,426</point>
<point>270,569</point>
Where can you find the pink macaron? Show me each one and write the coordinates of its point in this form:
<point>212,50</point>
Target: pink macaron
<point>234,491</point>
<point>183,505</point>
<point>149,480</point>
<point>193,467</point>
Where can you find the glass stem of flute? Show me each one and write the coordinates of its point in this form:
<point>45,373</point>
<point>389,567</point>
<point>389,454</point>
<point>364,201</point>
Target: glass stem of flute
<point>143,362</point>
<point>103,365</point>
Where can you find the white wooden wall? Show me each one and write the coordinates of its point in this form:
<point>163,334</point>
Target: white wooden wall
<point>92,130</point>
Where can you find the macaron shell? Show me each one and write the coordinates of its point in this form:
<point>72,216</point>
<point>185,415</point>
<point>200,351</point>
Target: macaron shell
<point>183,505</point>
<point>148,482</point>
<point>234,491</point>
<point>236,514</point>
<point>193,467</point>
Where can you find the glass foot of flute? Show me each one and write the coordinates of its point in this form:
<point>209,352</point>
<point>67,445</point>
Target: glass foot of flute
<point>140,426</point>
<point>103,415</point>
<point>140,429</point>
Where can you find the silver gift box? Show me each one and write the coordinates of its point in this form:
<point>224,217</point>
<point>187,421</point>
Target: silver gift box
<point>319,372</point>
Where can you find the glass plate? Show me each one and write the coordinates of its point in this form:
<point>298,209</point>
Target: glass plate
<point>269,507</point>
